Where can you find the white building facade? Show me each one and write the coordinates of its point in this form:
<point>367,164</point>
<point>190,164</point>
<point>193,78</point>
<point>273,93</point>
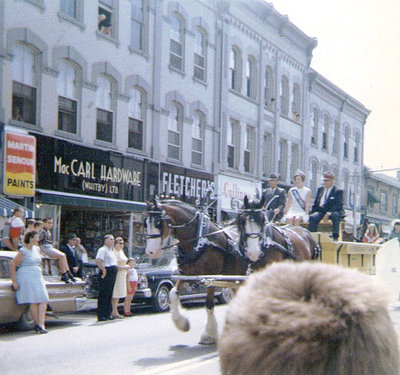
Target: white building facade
<point>193,93</point>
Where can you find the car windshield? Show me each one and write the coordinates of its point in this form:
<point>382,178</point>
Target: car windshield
<point>167,259</point>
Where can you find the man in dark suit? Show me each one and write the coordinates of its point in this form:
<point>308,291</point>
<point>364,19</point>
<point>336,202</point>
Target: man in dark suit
<point>328,204</point>
<point>276,207</point>
<point>70,251</point>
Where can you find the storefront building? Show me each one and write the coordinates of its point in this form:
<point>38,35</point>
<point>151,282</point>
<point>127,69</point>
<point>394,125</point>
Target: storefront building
<point>89,192</point>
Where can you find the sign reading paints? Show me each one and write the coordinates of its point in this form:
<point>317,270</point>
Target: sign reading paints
<point>231,191</point>
<point>19,164</point>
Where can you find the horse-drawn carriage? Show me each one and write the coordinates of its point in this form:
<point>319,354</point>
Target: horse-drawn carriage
<point>211,253</point>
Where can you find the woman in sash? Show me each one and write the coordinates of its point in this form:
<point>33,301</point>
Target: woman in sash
<point>298,202</point>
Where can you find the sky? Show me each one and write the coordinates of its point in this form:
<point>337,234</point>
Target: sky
<point>359,51</point>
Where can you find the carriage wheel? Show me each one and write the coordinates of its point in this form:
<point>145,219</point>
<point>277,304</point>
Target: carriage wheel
<point>161,299</point>
<point>225,296</point>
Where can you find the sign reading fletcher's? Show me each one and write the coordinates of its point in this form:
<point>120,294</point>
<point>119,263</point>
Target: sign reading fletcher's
<point>19,164</point>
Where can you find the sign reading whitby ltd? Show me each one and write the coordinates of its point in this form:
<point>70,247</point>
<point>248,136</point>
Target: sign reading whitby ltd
<point>67,167</point>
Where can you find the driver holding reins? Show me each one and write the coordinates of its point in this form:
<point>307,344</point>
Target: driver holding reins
<point>275,199</point>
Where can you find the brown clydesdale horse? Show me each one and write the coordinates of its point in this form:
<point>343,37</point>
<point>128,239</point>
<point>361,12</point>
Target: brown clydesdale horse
<point>263,243</point>
<point>203,249</point>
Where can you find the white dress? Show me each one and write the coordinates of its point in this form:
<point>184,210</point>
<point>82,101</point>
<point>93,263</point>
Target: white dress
<point>296,210</point>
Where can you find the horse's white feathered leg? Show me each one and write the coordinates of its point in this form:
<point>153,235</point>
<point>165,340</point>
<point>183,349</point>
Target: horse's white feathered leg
<point>181,322</point>
<point>210,334</point>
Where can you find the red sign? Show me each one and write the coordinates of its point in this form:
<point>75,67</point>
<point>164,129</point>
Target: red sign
<point>19,164</point>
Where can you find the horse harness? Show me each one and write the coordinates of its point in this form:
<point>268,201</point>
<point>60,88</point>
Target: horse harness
<point>201,239</point>
<point>267,234</point>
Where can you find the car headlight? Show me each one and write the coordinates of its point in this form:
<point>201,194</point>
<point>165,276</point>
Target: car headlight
<point>142,281</point>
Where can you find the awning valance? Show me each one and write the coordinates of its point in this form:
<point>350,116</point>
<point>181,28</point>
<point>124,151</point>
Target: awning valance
<point>372,198</point>
<point>7,206</point>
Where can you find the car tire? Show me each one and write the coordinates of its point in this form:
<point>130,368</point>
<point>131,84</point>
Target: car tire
<point>25,322</point>
<point>161,299</point>
<point>225,296</point>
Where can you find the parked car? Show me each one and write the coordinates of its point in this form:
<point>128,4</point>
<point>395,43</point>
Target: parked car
<point>62,297</point>
<point>155,282</point>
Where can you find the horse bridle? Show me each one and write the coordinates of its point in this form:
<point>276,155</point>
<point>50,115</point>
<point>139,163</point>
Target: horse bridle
<point>251,215</point>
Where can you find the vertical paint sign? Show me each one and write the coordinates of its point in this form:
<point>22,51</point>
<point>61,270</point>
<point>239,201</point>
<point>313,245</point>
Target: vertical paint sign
<point>19,164</point>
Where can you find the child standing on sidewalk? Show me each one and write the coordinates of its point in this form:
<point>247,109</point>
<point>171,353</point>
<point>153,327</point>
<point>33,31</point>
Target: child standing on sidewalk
<point>131,283</point>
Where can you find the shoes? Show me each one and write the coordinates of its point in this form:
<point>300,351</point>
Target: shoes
<point>117,316</point>
<point>101,319</point>
<point>128,314</point>
<point>71,276</point>
<point>111,318</point>
<point>39,329</point>
<point>65,278</point>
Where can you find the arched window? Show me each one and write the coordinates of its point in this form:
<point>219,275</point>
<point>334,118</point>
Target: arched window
<point>296,102</point>
<point>174,131</point>
<point>269,88</point>
<point>235,63</point>
<point>325,133</point>
<point>104,129</point>
<point>285,95</point>
<point>200,54</point>
<point>251,78</point>
<point>356,147</point>
<point>24,90</point>
<point>176,49</point>
<point>136,119</point>
<point>335,146</point>
<point>67,97</point>
<point>314,127</point>
<point>346,141</point>
<point>198,127</point>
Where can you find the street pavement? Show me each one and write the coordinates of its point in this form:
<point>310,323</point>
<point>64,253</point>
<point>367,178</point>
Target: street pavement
<point>146,344</point>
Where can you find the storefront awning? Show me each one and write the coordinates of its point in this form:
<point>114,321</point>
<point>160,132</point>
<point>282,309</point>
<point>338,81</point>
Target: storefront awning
<point>56,197</point>
<point>7,205</point>
<point>372,197</point>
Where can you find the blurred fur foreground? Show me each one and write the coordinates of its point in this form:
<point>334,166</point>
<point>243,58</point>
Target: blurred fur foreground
<point>309,318</point>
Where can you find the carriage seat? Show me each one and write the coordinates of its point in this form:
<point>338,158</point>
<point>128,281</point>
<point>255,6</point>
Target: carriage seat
<point>326,227</point>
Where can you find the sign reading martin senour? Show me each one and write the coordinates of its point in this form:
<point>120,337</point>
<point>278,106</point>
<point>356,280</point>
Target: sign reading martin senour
<point>19,164</point>
<point>67,167</point>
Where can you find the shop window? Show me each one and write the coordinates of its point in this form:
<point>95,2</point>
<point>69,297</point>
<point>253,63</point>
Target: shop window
<point>24,93</point>
<point>67,104</point>
<point>136,116</point>
<point>174,132</point>
<point>197,138</point>
<point>176,47</point>
<point>105,17</point>
<point>69,7</point>
<point>200,55</point>
<point>137,24</point>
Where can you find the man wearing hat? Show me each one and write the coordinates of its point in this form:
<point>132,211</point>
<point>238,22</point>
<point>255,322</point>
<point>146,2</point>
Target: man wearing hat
<point>328,204</point>
<point>275,198</point>
<point>70,251</point>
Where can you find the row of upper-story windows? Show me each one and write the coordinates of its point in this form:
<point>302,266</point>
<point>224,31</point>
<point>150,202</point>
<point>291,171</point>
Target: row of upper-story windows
<point>382,198</point>
<point>290,97</point>
<point>25,103</point>
<point>330,136</point>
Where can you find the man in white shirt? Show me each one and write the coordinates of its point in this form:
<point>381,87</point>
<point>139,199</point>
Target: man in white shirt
<point>107,263</point>
<point>328,204</point>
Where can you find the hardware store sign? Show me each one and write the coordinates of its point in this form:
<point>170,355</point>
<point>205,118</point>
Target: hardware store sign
<point>19,164</point>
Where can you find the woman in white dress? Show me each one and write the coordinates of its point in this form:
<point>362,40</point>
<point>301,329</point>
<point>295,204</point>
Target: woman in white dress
<point>298,202</point>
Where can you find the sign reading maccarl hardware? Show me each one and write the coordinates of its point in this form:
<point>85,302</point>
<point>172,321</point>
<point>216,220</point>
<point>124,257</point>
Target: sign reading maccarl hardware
<point>19,164</point>
<point>64,166</point>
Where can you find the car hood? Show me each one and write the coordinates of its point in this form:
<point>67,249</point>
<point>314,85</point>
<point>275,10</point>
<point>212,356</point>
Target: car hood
<point>149,271</point>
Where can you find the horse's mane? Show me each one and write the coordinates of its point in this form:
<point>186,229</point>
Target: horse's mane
<point>180,204</point>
